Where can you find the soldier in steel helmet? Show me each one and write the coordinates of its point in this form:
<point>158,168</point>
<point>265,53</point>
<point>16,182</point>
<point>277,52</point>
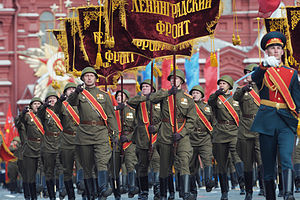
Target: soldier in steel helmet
<point>129,157</point>
<point>277,118</point>
<point>143,132</point>
<point>249,101</point>
<point>175,143</point>
<point>97,123</point>
<point>226,111</point>
<point>200,139</point>
<point>31,145</point>
<point>50,141</point>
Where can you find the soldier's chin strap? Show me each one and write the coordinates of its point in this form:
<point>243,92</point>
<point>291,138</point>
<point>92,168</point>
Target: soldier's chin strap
<point>235,83</point>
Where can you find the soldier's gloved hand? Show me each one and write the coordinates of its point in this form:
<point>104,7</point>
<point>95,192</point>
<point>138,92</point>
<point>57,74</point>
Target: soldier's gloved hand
<point>177,136</point>
<point>120,106</point>
<point>247,88</point>
<point>151,129</point>
<point>220,92</point>
<point>123,138</point>
<point>25,110</point>
<point>172,91</point>
<point>270,61</point>
<point>79,88</point>
<point>46,104</point>
<point>62,97</point>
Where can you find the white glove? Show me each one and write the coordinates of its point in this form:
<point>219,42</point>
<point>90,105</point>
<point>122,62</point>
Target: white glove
<point>270,61</point>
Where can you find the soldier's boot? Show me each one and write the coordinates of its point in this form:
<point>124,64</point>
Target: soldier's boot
<point>233,180</point>
<point>270,187</point>
<point>124,185</point>
<point>115,183</point>
<point>186,188</point>
<point>50,188</point>
<point>70,189</point>
<point>239,167</point>
<point>79,181</point>
<point>44,186</point>
<point>163,184</point>
<point>89,188</point>
<point>260,181</point>
<point>26,190</point>
<point>143,181</point>
<point>177,182</point>
<point>19,185</point>
<point>198,178</point>
<point>156,186</point>
<point>209,183</point>
<point>171,187</point>
<point>224,186</point>
<point>280,185</point>
<point>13,187</point>
<point>150,179</point>
<point>193,186</point>
<point>297,177</point>
<point>62,188</point>
<point>133,189</point>
<point>288,186</point>
<point>39,186</point>
<point>180,184</point>
<point>248,185</point>
<point>32,190</point>
<point>104,188</point>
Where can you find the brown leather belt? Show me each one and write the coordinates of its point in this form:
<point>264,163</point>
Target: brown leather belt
<point>227,122</point>
<point>93,122</point>
<point>249,116</point>
<point>35,139</point>
<point>179,120</point>
<point>69,132</point>
<point>200,129</point>
<point>54,134</point>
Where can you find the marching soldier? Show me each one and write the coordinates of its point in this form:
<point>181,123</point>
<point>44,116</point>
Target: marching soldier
<point>200,139</point>
<point>224,140</point>
<point>128,148</point>
<point>276,120</point>
<point>69,120</point>
<point>97,123</point>
<point>249,101</point>
<point>143,132</point>
<point>31,145</point>
<point>50,141</point>
<point>186,115</point>
<point>12,167</point>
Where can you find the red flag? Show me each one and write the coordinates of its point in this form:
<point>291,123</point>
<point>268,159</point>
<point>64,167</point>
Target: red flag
<point>9,127</point>
<point>267,7</point>
<point>166,69</point>
<point>5,153</point>
<point>211,76</point>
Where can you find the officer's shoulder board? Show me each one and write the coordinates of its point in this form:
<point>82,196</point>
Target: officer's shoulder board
<point>188,95</point>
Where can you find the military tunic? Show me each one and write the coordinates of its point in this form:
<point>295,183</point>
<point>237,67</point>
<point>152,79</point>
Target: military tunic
<point>247,140</point>
<point>200,139</point>
<point>186,113</point>
<point>225,132</point>
<point>92,136</point>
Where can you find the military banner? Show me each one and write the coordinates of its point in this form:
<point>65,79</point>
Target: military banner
<point>163,24</point>
<point>293,17</point>
<point>281,25</point>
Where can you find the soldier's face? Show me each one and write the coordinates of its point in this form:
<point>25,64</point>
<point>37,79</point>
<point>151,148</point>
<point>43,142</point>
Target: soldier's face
<point>119,97</point>
<point>89,79</point>
<point>52,100</point>
<point>197,95</point>
<point>275,50</point>
<point>35,105</point>
<point>178,81</point>
<point>224,85</point>
<point>146,89</point>
<point>70,91</point>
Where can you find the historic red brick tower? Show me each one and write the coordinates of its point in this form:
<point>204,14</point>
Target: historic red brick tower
<point>23,25</point>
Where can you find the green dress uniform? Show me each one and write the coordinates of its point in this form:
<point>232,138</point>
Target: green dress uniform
<point>142,140</point>
<point>186,115</point>
<point>50,145</point>
<point>92,137</point>
<point>225,136</point>
<point>247,140</point>
<point>200,139</point>
<point>12,167</point>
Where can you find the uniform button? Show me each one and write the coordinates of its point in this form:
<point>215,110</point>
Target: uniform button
<point>278,70</point>
<point>278,98</point>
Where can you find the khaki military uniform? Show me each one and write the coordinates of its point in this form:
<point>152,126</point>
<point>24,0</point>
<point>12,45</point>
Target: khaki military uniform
<point>92,135</point>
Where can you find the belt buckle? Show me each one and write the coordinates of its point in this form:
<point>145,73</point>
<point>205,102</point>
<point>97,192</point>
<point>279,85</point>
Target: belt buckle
<point>227,122</point>
<point>93,122</point>
<point>38,139</point>
<point>55,134</point>
<point>277,106</point>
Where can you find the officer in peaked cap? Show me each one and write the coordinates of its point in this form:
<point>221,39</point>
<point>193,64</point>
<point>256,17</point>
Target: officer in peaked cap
<point>276,120</point>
